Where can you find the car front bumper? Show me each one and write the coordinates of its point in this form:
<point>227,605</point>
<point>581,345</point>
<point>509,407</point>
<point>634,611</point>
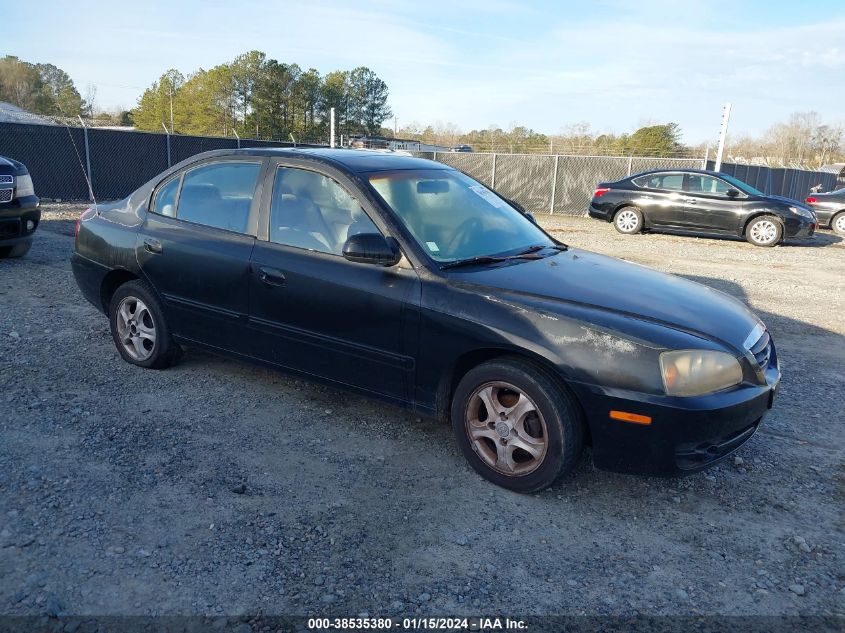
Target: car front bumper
<point>15,217</point>
<point>799,228</point>
<point>685,434</point>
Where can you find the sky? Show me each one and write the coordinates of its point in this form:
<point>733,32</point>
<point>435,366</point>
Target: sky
<point>615,64</point>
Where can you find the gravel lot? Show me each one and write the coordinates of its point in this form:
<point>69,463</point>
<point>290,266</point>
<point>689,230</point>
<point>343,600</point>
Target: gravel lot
<point>222,489</point>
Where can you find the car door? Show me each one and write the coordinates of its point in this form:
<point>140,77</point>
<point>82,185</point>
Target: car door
<point>660,196</point>
<point>352,323</point>
<point>195,244</point>
<point>709,205</point>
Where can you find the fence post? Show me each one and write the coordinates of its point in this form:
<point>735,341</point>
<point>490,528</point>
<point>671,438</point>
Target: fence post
<point>630,164</point>
<point>434,156</point>
<point>706,157</point>
<point>237,136</point>
<point>493,175</point>
<point>554,185</point>
<point>89,177</point>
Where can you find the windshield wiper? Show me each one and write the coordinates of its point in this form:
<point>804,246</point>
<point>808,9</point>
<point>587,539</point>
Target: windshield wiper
<point>528,253</point>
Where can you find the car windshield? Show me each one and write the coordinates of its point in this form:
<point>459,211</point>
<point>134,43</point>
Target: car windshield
<point>453,217</point>
<point>742,186</point>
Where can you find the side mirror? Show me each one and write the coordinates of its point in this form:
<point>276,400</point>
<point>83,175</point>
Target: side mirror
<point>371,248</point>
<point>531,217</point>
<point>732,193</point>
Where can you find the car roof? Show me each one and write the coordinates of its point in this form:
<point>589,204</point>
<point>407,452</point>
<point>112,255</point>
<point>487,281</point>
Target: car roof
<point>356,160</point>
<point>679,170</point>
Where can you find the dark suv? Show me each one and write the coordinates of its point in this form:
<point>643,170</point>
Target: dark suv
<point>19,209</point>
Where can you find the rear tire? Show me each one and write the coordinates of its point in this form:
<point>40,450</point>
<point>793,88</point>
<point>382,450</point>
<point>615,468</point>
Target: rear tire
<point>139,329</point>
<point>837,223</point>
<point>533,435</point>
<point>764,231</point>
<point>18,250</point>
<point>628,220</point>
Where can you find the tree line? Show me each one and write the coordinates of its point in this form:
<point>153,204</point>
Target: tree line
<point>39,88</point>
<point>650,140</point>
<point>258,97</point>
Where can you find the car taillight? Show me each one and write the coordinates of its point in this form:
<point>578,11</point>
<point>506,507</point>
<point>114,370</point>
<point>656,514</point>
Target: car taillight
<point>598,193</point>
<point>82,217</point>
<point>811,200</point>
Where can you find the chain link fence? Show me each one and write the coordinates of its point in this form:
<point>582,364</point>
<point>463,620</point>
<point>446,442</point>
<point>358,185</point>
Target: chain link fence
<point>58,156</point>
<point>552,183</point>
<point>118,161</point>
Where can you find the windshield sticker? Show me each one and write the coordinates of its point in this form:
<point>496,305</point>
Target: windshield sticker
<point>489,196</point>
<point>432,246</point>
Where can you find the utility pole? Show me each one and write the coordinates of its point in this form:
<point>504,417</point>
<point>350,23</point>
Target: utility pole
<point>395,126</point>
<point>723,133</point>
<point>170,91</point>
<point>331,127</point>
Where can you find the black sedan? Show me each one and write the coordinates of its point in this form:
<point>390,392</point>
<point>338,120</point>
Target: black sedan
<point>406,280</point>
<point>699,201</point>
<point>829,208</point>
<point>20,212</point>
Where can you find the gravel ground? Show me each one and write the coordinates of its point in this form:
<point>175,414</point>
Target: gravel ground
<point>222,489</point>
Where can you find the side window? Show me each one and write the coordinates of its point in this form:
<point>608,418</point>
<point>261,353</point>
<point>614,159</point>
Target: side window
<point>707,185</point>
<point>219,195</point>
<point>165,200</point>
<point>661,181</point>
<point>312,211</point>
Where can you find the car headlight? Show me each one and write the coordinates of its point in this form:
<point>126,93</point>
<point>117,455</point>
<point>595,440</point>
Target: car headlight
<point>24,186</point>
<point>695,372</point>
<point>802,212</point>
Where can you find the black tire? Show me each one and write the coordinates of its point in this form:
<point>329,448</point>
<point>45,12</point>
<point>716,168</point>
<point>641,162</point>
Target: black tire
<point>837,223</point>
<point>160,353</point>
<point>18,250</point>
<point>628,220</point>
<point>766,231</point>
<point>559,417</point>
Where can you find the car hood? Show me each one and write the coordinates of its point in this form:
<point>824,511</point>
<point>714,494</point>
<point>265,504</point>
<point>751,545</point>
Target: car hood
<point>787,201</point>
<point>588,279</point>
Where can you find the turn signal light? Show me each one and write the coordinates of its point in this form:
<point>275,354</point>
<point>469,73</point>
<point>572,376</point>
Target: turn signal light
<point>811,200</point>
<point>598,193</point>
<point>635,418</point>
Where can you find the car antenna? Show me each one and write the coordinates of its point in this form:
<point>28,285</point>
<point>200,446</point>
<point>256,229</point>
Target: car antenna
<point>78,157</point>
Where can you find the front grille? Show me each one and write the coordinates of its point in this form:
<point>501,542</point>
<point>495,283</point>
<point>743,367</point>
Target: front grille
<point>6,179</point>
<point>761,349</point>
<point>5,195</point>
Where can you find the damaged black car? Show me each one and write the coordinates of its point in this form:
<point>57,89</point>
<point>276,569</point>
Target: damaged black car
<point>406,280</point>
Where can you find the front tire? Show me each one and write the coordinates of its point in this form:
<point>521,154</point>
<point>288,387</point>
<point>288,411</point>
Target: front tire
<point>516,425</point>
<point>764,231</point>
<point>837,223</point>
<point>139,329</point>
<point>628,220</point>
<point>18,250</point>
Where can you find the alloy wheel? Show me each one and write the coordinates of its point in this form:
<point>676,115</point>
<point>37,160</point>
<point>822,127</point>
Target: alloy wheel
<point>136,328</point>
<point>506,429</point>
<point>764,232</point>
<point>839,225</point>
<point>627,220</point>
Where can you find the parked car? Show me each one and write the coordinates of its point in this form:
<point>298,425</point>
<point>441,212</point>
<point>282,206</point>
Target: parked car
<point>20,210</point>
<point>406,280</point>
<point>699,201</point>
<point>461,148</point>
<point>829,208</point>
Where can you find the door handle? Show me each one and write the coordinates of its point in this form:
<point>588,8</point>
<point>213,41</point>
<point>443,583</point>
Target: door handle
<point>691,200</point>
<point>271,276</point>
<point>152,246</point>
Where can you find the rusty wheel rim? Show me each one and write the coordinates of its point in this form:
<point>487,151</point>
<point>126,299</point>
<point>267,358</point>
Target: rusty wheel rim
<point>506,429</point>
